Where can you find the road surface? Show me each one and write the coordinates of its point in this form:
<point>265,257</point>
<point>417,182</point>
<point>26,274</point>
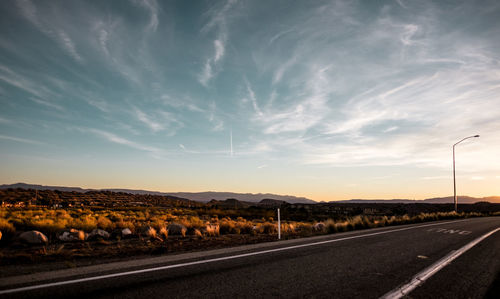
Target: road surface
<point>445,259</point>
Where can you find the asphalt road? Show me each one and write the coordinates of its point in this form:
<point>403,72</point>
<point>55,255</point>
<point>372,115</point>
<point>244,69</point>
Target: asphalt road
<point>362,264</point>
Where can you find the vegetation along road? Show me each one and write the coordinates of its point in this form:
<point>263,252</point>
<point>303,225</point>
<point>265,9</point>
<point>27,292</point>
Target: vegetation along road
<point>454,259</point>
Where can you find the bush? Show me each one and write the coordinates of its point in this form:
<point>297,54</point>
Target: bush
<point>6,228</point>
<point>104,223</point>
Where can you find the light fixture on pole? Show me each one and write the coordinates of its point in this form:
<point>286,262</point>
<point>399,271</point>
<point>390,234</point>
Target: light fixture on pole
<point>454,180</point>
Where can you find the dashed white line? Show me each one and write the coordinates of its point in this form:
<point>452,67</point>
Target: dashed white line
<point>421,277</point>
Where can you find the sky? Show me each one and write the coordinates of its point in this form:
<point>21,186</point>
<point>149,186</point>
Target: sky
<point>330,100</point>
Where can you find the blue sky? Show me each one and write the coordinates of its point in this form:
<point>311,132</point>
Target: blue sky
<point>324,99</point>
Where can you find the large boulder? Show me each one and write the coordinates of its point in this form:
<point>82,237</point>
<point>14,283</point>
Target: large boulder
<point>33,237</point>
<point>121,233</point>
<point>176,229</point>
<point>99,234</point>
<point>72,235</point>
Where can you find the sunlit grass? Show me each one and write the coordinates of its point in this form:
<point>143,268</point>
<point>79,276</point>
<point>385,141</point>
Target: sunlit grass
<point>51,222</point>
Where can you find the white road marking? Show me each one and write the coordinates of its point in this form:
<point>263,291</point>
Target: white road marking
<point>119,274</point>
<point>421,277</point>
<point>449,231</point>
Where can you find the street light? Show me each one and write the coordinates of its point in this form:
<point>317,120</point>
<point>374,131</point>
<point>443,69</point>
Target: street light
<point>454,180</point>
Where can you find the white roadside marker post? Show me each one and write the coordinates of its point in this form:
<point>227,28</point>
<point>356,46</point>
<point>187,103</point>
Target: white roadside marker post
<point>279,225</point>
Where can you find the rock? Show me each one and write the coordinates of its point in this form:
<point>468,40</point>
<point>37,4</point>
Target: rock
<point>121,233</point>
<point>148,231</point>
<point>177,229</point>
<point>33,237</point>
<point>320,226</point>
<point>99,233</point>
<point>126,232</point>
<point>72,235</point>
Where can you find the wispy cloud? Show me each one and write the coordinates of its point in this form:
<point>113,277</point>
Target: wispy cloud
<point>123,141</point>
<point>218,124</point>
<point>29,11</point>
<point>24,83</point>
<point>69,45</point>
<point>152,7</point>
<point>278,74</point>
<point>309,108</point>
<point>218,22</point>
<point>47,104</point>
<point>147,120</point>
<point>253,99</point>
<point>22,140</point>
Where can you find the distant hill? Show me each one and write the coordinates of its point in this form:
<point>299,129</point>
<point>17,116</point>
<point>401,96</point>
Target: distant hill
<point>463,199</point>
<point>448,199</point>
<point>249,197</point>
<point>41,187</point>
<point>196,196</point>
<point>265,199</point>
<point>377,201</point>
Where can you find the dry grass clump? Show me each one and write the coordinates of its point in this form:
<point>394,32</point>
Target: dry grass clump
<point>163,232</point>
<point>304,228</point>
<point>288,228</point>
<point>6,228</point>
<point>228,226</point>
<point>212,230</point>
<point>51,222</point>
<point>104,223</point>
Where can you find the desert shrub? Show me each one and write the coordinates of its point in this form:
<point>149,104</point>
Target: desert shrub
<point>194,222</point>
<point>157,223</point>
<point>304,228</point>
<point>269,228</point>
<point>84,222</point>
<point>342,226</point>
<point>212,229</point>
<point>197,233</point>
<point>246,227</point>
<point>48,226</point>
<point>228,226</point>
<point>104,223</point>
<point>330,226</point>
<point>6,227</point>
<point>287,228</point>
<point>163,232</point>
<point>125,224</point>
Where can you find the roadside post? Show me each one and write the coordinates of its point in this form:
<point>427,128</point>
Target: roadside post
<point>279,225</point>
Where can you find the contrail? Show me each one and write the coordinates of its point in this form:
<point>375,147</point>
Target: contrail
<point>231,139</point>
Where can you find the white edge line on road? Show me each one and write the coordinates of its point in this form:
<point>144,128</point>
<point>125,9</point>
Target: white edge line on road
<point>422,276</point>
<point>119,274</point>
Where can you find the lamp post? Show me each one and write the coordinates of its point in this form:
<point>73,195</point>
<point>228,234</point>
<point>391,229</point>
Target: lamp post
<point>454,180</point>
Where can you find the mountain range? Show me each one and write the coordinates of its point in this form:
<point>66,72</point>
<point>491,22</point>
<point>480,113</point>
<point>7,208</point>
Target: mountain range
<point>448,199</point>
<point>196,196</point>
<point>252,197</point>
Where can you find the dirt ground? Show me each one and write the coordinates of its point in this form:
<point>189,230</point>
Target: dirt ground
<point>18,259</point>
